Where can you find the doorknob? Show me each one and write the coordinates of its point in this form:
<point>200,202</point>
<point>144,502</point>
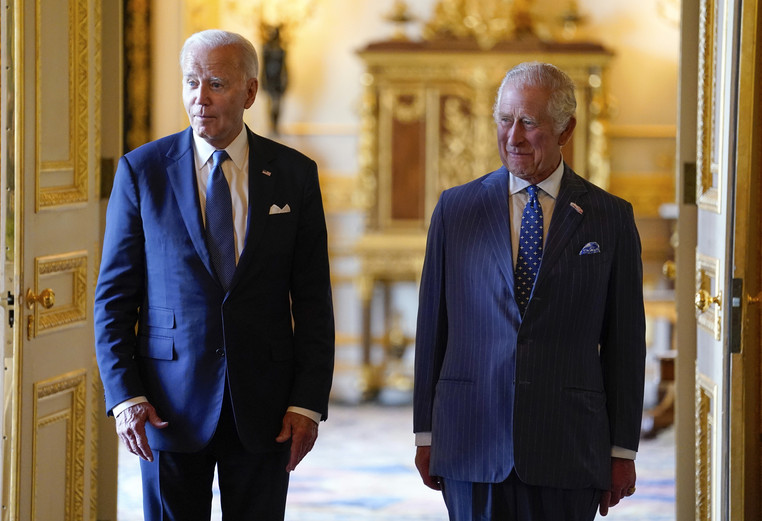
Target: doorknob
<point>704,299</point>
<point>46,298</point>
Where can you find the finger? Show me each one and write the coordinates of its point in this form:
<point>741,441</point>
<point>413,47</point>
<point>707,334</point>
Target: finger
<point>604,505</point>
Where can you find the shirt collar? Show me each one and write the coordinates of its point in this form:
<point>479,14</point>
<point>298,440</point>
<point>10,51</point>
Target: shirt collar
<point>551,185</point>
<point>237,150</point>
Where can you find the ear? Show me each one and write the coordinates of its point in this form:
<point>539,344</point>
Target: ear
<point>567,133</point>
<point>252,86</point>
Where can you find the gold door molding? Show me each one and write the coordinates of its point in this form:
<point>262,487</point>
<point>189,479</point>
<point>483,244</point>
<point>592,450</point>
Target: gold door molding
<point>67,275</point>
<point>708,295</point>
<point>58,444</point>
<point>61,154</point>
<point>710,121</point>
<point>707,423</point>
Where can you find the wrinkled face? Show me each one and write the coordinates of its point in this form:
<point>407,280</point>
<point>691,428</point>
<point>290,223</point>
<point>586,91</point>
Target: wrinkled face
<point>530,147</point>
<point>215,93</point>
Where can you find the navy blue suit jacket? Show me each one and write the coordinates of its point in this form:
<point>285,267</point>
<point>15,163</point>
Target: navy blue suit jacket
<point>548,395</point>
<point>271,335</point>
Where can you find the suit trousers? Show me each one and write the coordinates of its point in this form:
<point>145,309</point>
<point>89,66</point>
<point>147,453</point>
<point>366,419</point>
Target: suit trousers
<point>178,486</point>
<point>513,500</point>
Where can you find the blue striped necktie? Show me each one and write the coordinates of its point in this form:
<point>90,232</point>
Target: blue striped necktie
<point>219,221</point>
<point>530,249</point>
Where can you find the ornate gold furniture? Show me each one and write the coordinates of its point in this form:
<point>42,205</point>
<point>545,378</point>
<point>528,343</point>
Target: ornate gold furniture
<point>427,125</point>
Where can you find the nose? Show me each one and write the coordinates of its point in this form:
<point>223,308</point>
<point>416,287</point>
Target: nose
<point>515,134</point>
<point>202,95</point>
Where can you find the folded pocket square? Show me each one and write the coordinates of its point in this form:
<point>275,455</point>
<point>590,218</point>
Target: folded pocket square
<point>589,248</point>
<point>275,209</point>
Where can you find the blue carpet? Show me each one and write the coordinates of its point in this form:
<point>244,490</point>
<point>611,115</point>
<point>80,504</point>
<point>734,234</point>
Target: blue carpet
<point>362,469</point>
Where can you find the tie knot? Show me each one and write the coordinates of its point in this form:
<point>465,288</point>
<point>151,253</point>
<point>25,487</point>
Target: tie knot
<point>219,157</point>
<point>532,190</point>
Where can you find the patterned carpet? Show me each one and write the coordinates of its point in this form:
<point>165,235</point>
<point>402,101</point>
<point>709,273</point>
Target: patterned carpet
<point>362,469</point>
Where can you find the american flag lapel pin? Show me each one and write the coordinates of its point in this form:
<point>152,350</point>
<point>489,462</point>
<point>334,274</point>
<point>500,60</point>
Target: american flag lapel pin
<point>576,207</point>
<point>268,173</point>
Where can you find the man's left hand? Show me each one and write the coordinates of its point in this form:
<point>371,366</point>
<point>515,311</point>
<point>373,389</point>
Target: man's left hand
<point>622,483</point>
<point>302,432</point>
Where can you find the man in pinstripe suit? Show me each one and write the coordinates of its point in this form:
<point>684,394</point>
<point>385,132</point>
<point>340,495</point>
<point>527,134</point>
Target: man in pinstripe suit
<point>535,414</point>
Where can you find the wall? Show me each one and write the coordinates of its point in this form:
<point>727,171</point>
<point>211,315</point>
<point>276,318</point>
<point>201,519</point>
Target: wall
<point>322,106</point>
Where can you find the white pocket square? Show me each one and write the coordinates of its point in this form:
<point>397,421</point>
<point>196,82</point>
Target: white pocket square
<point>275,209</point>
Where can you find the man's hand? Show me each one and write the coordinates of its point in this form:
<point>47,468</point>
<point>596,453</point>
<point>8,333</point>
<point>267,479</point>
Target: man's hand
<point>622,483</point>
<point>302,432</point>
<point>422,459</point>
<point>131,428</point>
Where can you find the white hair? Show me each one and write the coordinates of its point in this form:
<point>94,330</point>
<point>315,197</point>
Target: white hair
<point>213,38</point>
<point>562,103</point>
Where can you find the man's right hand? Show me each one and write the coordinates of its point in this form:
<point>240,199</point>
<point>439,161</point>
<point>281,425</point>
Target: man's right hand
<point>131,428</point>
<point>422,460</point>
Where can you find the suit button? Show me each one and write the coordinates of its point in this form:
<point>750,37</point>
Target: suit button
<point>220,352</point>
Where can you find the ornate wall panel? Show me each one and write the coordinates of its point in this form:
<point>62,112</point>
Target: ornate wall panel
<point>58,447</point>
<point>62,95</point>
<point>708,296</point>
<point>68,274</point>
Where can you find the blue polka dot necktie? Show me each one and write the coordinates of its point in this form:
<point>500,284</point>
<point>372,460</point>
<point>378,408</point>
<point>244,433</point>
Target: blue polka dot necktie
<point>530,249</point>
<point>219,221</point>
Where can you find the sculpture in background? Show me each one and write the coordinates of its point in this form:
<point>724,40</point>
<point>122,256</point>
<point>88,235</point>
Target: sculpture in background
<point>488,21</point>
<point>275,73</point>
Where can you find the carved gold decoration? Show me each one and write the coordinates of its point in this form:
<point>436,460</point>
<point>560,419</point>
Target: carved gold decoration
<point>400,16</point>
<point>706,432</point>
<point>708,171</point>
<point>486,21</point>
<point>64,314</point>
<point>339,193</point>
<point>647,191</point>
<point>96,398</point>
<point>368,149</point>
<point>63,181</point>
<point>708,291</point>
<point>137,73</point>
<point>61,400</point>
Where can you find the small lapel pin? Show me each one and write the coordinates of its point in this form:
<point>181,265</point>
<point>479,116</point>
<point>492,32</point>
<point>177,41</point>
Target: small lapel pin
<point>267,173</point>
<point>576,207</point>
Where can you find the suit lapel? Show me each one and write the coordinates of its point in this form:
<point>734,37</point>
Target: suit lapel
<point>494,197</point>
<point>565,219</point>
<point>261,183</point>
<point>181,172</point>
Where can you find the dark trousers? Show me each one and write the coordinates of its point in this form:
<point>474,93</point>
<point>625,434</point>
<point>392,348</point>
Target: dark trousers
<point>178,486</point>
<point>513,500</point>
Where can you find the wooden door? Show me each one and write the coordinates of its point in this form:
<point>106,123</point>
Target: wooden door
<point>51,148</point>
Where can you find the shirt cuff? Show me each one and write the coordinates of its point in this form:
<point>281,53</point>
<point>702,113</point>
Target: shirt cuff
<point>620,452</point>
<point>121,407</point>
<point>422,439</point>
<point>312,415</point>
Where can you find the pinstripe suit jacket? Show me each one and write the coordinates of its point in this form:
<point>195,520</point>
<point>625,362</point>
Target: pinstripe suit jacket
<point>548,395</point>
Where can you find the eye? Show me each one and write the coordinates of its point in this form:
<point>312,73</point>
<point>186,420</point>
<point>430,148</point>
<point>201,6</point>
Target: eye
<point>191,83</point>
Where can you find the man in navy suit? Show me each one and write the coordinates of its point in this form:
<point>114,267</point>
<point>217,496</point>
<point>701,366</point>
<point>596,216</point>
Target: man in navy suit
<point>529,391</point>
<point>231,362</point>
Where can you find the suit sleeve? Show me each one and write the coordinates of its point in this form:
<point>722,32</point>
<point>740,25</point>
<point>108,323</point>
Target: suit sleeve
<point>623,346</point>
<point>119,291</point>
<point>312,306</point>
<point>431,331</point>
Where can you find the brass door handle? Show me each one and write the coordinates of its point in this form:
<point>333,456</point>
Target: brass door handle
<point>704,299</point>
<point>46,298</point>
